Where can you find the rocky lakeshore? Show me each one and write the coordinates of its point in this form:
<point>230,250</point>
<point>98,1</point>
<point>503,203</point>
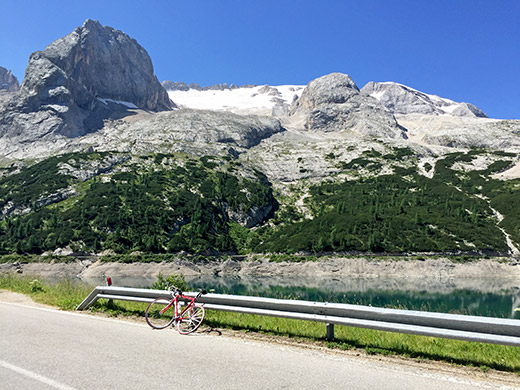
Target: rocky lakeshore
<point>415,274</point>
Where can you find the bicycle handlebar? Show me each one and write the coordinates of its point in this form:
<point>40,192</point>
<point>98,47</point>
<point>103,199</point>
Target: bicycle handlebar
<point>178,291</point>
<point>173,289</point>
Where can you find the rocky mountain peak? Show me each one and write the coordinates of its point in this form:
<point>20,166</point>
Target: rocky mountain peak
<point>400,99</point>
<point>8,81</point>
<point>92,74</point>
<point>100,62</point>
<point>334,103</point>
<point>333,88</point>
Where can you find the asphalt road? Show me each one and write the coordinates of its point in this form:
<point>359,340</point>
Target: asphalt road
<point>48,349</point>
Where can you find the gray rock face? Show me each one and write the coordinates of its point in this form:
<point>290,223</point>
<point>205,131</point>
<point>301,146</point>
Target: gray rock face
<point>333,103</point>
<point>467,109</point>
<point>219,87</point>
<point>100,62</point>
<point>400,99</point>
<point>198,132</point>
<point>209,127</point>
<point>80,80</point>
<point>463,132</point>
<point>249,218</point>
<point>8,81</point>
<point>175,86</point>
<point>270,91</point>
<point>281,109</point>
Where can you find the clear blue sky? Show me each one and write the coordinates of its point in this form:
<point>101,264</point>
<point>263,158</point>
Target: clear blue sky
<point>465,50</point>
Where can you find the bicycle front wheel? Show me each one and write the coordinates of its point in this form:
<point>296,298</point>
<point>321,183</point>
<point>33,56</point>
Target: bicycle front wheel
<point>158,315</point>
<point>191,319</point>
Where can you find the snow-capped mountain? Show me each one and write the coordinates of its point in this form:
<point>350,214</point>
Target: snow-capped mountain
<point>241,100</point>
<point>280,127</point>
<point>401,99</point>
<point>253,99</point>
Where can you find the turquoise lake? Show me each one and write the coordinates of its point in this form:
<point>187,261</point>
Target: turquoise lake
<point>491,298</point>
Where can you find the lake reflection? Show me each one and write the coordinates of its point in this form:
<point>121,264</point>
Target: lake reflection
<point>481,297</point>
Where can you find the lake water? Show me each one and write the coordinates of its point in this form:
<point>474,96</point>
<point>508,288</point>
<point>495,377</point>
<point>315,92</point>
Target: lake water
<point>483,297</point>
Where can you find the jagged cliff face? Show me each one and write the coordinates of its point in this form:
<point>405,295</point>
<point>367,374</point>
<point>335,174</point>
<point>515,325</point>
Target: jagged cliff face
<point>95,61</point>
<point>333,103</point>
<point>78,81</point>
<point>400,99</point>
<point>8,81</point>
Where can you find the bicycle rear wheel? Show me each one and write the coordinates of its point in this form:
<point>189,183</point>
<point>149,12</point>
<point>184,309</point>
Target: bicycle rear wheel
<point>156,315</point>
<point>191,319</point>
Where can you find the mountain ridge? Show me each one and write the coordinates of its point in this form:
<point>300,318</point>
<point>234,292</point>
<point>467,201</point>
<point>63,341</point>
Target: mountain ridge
<point>401,99</point>
<point>315,168</point>
<point>374,89</point>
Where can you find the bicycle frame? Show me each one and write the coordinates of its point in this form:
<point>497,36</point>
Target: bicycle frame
<point>158,313</point>
<point>175,301</point>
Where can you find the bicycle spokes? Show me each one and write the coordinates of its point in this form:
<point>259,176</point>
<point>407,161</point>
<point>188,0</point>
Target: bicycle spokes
<point>191,319</point>
<point>160,313</point>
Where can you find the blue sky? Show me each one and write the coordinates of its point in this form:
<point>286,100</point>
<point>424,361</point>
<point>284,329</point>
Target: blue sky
<point>465,50</point>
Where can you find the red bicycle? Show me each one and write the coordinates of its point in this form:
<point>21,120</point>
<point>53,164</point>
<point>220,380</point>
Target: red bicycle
<point>163,312</point>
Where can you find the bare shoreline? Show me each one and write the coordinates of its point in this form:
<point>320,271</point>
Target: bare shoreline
<point>439,274</point>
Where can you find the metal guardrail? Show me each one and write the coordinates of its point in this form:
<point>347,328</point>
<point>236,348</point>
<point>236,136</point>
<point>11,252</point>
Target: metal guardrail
<point>450,326</point>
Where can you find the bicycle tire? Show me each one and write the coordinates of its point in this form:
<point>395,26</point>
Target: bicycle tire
<point>159,320</point>
<point>191,320</point>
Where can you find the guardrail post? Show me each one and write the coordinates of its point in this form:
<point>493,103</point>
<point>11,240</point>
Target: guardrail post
<point>110,303</point>
<point>330,332</point>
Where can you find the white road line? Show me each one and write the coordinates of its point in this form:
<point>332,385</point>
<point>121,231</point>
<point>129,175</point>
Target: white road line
<point>35,376</point>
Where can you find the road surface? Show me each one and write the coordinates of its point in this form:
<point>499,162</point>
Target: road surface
<point>42,348</point>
